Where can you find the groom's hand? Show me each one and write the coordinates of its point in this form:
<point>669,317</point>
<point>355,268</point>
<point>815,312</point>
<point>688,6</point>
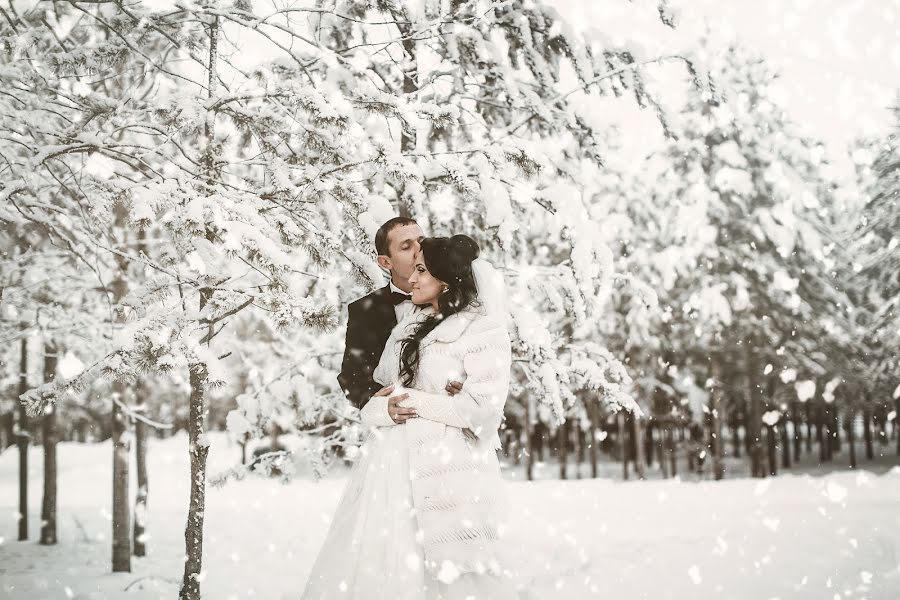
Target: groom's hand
<point>397,413</point>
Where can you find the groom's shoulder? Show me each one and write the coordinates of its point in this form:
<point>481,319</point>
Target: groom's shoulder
<point>371,299</point>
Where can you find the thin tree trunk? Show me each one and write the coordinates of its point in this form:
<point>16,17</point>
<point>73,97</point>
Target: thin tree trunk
<point>867,430</point>
<point>661,448</point>
<point>754,431</point>
<point>772,450</point>
<point>851,439</point>
<point>620,419</point>
<point>785,443</point>
<point>529,442</point>
<point>592,442</point>
<point>835,430</point>
<point>563,443</point>
<point>121,525</point>
<point>673,457</point>
<point>798,429</point>
<point>23,437</point>
<point>638,447</point>
<point>820,427</point>
<point>736,439</point>
<point>198,444</point>
<point>121,440</point>
<point>50,435</point>
<point>826,430</point>
<point>579,448</point>
<point>649,441</point>
<point>243,444</point>
<point>716,421</point>
<point>143,486</point>
<point>538,432</point>
<point>410,86</point>
<point>897,423</point>
<point>809,426</point>
<point>199,449</point>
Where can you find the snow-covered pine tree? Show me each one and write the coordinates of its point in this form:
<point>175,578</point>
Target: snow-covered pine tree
<point>875,281</point>
<point>757,293</point>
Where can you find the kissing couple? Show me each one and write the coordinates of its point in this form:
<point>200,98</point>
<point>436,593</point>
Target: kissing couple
<point>427,361</point>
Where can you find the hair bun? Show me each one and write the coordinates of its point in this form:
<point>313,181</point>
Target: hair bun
<point>465,245</point>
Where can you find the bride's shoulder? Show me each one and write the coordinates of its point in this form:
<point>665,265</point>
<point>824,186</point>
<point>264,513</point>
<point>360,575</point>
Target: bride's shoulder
<point>480,324</point>
<point>480,321</point>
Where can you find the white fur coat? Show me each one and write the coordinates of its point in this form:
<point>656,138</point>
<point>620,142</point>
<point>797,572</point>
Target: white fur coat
<point>454,470</point>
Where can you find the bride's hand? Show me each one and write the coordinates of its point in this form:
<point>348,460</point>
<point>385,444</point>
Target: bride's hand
<point>453,388</point>
<point>396,412</point>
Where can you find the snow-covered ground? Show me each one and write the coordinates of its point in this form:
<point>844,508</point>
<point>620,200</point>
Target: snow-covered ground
<point>794,536</point>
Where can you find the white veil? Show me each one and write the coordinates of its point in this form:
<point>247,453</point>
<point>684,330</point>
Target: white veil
<point>491,290</point>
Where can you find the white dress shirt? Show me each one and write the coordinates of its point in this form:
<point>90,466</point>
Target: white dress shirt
<point>402,309</point>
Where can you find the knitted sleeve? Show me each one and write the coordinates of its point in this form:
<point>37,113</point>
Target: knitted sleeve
<point>374,413</point>
<point>479,406</point>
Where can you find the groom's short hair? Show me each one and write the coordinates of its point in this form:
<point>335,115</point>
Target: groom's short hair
<point>382,246</point>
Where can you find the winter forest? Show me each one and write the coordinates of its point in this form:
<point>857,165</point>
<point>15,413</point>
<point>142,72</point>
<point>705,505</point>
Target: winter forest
<point>695,208</point>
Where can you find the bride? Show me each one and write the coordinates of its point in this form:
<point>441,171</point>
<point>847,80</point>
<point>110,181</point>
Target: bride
<point>420,518</point>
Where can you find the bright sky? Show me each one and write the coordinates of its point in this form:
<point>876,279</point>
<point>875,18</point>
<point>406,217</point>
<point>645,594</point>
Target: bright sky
<point>840,59</point>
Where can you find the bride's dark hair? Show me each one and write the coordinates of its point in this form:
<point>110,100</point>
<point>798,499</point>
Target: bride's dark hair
<point>450,260</point>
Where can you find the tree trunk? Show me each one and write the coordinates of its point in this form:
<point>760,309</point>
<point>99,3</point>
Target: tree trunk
<point>410,67</point>
<point>897,423</point>
<point>826,430</point>
<point>638,447</point>
<point>785,443</point>
<point>867,430</point>
<point>736,440</point>
<point>50,435</point>
<point>593,442</point>
<point>563,443</point>
<point>851,439</point>
<point>529,442</point>
<point>23,437</point>
<point>754,419</point>
<point>197,441</point>
<point>538,432</point>
<point>579,448</point>
<point>140,501</point>
<point>620,419</point>
<point>798,429</point>
<point>772,450</point>
<point>715,374</point>
<point>661,448</point>
<point>121,525</point>
<point>649,441</point>
<point>673,455</point>
<point>809,426</point>
<point>820,427</point>
<point>243,444</point>
<point>835,430</point>
<point>199,449</point>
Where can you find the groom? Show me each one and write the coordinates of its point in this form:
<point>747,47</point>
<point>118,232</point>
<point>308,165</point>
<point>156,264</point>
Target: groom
<point>371,318</point>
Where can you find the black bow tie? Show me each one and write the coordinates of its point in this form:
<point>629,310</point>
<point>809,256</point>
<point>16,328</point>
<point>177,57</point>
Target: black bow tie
<point>397,298</point>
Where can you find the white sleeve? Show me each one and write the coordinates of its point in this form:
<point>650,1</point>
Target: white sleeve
<point>374,412</point>
<point>479,406</point>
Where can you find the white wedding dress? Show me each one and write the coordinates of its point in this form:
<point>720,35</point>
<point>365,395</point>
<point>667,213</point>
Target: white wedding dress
<point>371,551</point>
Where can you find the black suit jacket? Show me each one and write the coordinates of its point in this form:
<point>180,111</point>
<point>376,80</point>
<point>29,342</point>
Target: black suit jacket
<point>369,323</point>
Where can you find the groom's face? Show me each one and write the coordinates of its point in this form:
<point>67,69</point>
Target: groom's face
<point>403,244</point>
